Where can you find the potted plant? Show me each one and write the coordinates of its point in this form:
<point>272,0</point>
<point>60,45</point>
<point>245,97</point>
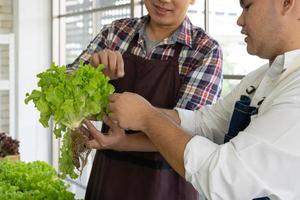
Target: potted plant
<point>9,148</point>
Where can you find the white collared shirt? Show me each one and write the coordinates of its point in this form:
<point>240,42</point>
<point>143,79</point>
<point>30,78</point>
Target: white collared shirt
<point>264,159</point>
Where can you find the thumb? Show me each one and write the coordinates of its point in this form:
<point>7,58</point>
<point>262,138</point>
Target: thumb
<point>93,144</point>
<point>109,122</point>
<point>93,130</point>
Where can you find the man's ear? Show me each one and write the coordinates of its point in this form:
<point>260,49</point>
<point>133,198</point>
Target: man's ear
<point>287,6</point>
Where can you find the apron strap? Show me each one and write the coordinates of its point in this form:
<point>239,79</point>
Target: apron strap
<point>241,117</point>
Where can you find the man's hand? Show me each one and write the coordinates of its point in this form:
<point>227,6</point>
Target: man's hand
<point>113,61</point>
<point>130,110</point>
<point>111,140</point>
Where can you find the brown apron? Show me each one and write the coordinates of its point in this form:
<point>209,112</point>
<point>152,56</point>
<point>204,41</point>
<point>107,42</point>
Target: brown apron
<point>141,175</point>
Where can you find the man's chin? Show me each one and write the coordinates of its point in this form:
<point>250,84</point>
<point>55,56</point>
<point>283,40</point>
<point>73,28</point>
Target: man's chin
<point>163,21</point>
<point>251,51</point>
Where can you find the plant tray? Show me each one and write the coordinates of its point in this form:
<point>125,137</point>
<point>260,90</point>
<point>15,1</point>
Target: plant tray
<point>12,158</point>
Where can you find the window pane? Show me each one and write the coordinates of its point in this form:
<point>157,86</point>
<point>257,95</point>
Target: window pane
<point>107,16</point>
<point>196,13</point>
<point>4,111</point>
<point>105,3</point>
<point>222,25</point>
<point>6,16</point>
<point>4,62</point>
<point>76,35</point>
<point>73,6</point>
<point>78,30</point>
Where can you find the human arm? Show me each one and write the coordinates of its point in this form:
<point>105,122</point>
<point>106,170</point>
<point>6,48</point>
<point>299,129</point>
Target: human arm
<point>260,161</point>
<point>161,126</point>
<point>256,163</point>
<point>202,81</point>
<point>158,120</point>
<point>116,139</point>
<point>171,113</point>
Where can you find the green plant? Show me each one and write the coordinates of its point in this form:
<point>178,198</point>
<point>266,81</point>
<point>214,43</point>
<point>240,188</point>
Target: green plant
<point>69,99</point>
<point>8,146</point>
<point>36,180</point>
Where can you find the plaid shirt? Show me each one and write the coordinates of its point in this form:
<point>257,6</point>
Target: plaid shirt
<point>200,60</point>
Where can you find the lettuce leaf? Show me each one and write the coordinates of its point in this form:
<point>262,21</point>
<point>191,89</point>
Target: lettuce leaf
<point>68,99</point>
<point>35,180</point>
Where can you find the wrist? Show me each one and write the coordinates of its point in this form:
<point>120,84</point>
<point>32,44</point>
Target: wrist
<point>151,117</point>
<point>122,146</point>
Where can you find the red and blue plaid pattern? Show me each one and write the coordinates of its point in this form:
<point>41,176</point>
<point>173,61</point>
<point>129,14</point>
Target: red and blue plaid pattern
<point>200,60</point>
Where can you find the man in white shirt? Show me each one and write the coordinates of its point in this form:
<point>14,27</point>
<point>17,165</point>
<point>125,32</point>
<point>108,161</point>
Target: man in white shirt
<point>261,155</point>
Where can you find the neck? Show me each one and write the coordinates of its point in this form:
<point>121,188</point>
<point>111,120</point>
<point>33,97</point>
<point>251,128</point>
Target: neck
<point>157,32</point>
<point>271,61</point>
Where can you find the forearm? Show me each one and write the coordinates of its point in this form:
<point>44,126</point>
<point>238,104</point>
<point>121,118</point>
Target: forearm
<point>168,138</point>
<point>172,114</point>
<point>137,142</point>
<point>140,142</point>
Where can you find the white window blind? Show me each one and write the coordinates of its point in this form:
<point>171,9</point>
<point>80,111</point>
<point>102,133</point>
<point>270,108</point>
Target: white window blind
<point>7,85</point>
<point>7,78</point>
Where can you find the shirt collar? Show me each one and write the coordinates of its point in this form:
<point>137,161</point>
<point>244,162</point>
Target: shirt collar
<point>142,26</point>
<point>289,58</point>
<point>182,35</point>
<point>284,61</point>
<point>185,35</point>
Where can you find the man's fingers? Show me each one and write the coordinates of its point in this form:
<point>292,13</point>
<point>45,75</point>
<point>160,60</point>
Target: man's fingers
<point>103,58</point>
<point>93,144</point>
<point>93,130</point>
<point>112,62</point>
<point>120,65</point>
<point>86,132</point>
<point>113,117</point>
<point>94,60</point>
<point>113,97</point>
<point>112,124</point>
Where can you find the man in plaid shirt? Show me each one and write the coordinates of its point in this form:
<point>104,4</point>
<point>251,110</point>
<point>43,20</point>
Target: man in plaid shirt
<point>200,60</point>
<point>182,68</point>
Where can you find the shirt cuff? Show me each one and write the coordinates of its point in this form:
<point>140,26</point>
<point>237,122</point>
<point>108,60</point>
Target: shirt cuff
<point>196,154</point>
<point>187,120</point>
